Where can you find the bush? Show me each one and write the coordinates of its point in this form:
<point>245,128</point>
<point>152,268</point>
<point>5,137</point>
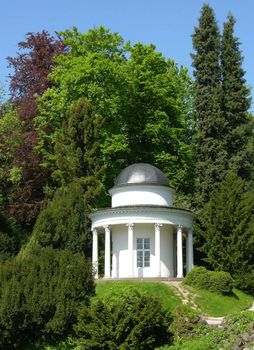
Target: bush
<point>197,277</point>
<point>245,282</point>
<point>136,322</point>
<point>216,281</point>
<point>40,295</point>
<point>220,282</point>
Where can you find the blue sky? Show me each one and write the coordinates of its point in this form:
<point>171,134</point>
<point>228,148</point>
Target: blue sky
<point>166,23</point>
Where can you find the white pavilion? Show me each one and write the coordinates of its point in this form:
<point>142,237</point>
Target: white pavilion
<point>145,235</point>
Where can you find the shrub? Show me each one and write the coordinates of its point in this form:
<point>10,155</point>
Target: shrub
<point>220,282</point>
<point>197,277</point>
<point>245,282</point>
<point>41,294</point>
<point>216,281</point>
<point>136,322</point>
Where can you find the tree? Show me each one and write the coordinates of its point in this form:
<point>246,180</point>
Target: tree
<point>29,80</point>
<point>77,151</point>
<point>227,227</point>
<point>142,97</point>
<point>63,223</point>
<point>209,143</point>
<point>236,103</point>
<point>11,128</point>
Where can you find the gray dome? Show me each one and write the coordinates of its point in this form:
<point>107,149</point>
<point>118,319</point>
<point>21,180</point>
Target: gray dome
<point>141,173</point>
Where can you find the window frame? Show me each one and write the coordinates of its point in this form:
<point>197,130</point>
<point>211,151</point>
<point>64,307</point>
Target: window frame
<point>143,247</point>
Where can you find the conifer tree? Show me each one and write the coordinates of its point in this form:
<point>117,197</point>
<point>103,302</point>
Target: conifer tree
<point>236,103</point>
<point>227,227</point>
<point>209,145</point>
<point>77,150</point>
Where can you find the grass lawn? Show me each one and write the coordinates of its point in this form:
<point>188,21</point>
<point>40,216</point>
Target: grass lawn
<point>214,304</point>
<point>109,291</point>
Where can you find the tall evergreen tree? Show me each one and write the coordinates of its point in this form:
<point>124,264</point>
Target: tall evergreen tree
<point>77,150</point>
<point>227,222</point>
<point>236,103</point>
<point>209,143</point>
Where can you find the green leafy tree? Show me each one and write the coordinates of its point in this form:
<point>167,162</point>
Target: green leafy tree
<point>63,223</point>
<point>236,104</point>
<point>40,295</point>
<point>227,227</point>
<point>77,151</point>
<point>137,322</point>
<point>143,99</point>
<point>159,115</point>
<point>209,143</point>
<point>94,68</point>
<point>10,139</point>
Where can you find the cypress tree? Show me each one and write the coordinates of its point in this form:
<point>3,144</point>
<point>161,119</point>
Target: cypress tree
<point>236,103</point>
<point>209,144</point>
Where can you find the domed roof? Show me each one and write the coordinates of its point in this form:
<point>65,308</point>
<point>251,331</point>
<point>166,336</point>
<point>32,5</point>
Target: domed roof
<point>143,174</point>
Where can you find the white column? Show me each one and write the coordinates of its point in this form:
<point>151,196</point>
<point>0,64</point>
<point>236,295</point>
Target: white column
<point>157,249</point>
<point>179,251</point>
<point>189,250</point>
<point>95,253</point>
<point>130,249</point>
<point>107,252</point>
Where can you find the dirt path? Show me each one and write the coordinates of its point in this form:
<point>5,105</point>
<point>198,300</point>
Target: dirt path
<point>189,298</point>
<point>186,296</point>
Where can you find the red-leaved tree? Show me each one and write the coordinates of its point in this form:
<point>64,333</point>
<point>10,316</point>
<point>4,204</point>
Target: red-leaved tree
<point>29,79</point>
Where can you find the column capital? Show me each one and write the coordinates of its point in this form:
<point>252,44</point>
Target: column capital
<point>106,227</point>
<point>157,225</point>
<point>179,226</point>
<point>94,229</point>
<point>130,224</point>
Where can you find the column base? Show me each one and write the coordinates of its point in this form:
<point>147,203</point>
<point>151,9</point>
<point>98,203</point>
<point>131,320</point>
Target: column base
<point>179,276</point>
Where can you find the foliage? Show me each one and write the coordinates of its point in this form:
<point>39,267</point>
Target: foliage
<point>41,294</point>
<point>184,321</point>
<point>63,223</point>
<point>68,344</point>
<point>209,143</point>
<point>10,139</point>
<point>245,282</point>
<point>110,292</point>
<point>77,150</point>
<point>29,79</point>
<point>143,99</point>
<point>226,224</point>
<point>224,139</point>
<point>206,337</point>
<point>136,322</point>
<point>236,104</point>
<point>215,281</point>
<point>11,237</point>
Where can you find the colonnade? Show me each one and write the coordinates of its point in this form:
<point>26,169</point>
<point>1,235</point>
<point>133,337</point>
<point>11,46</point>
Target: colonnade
<point>157,233</point>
